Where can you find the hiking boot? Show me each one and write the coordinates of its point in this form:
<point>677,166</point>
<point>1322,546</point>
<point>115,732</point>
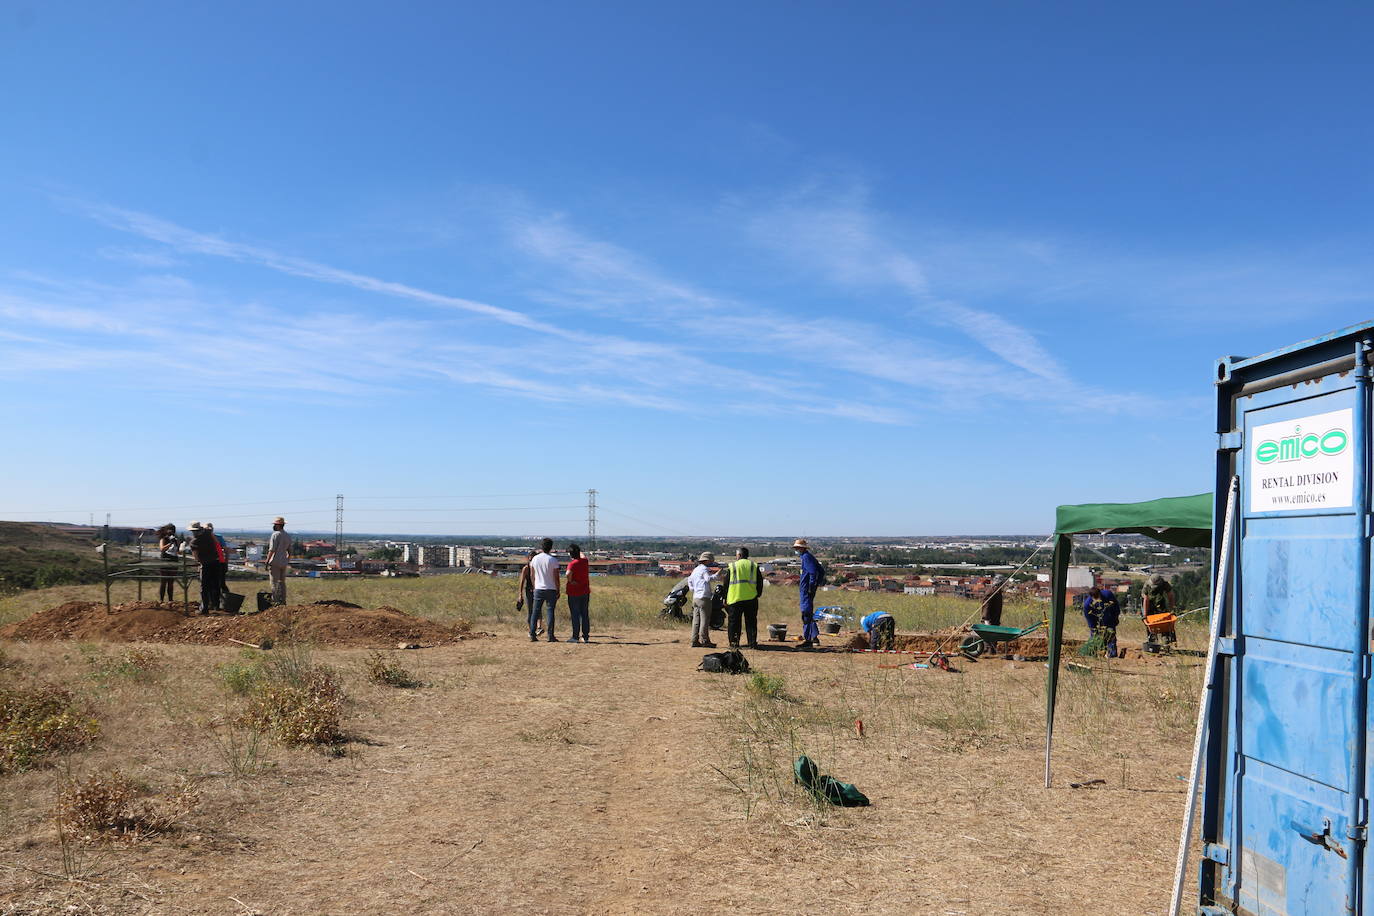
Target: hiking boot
<point>696,645</point>
<point>553,639</point>
<point>708,645</point>
<point>753,645</point>
<point>534,639</point>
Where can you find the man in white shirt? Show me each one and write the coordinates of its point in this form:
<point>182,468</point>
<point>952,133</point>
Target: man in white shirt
<point>278,559</point>
<point>544,568</point>
<point>700,583</point>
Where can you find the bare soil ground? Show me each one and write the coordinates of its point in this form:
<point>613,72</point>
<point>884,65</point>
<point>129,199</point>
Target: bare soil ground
<point>616,778</point>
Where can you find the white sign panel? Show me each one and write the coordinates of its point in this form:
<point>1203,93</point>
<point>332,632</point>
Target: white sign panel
<point>1302,464</point>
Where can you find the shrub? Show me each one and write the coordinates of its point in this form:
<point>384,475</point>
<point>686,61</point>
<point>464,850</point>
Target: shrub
<point>306,711</point>
<point>383,669</point>
<point>242,677</point>
<point>141,664</point>
<point>37,721</point>
<point>765,685</point>
<point>108,806</point>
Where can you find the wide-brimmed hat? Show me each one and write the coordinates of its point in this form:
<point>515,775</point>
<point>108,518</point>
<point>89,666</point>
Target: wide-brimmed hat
<point>194,526</point>
<point>706,557</point>
<point>801,542</point>
<point>279,520</point>
<point>209,526</point>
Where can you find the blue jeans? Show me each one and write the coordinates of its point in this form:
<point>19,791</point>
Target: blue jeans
<point>546,598</point>
<point>579,609</point>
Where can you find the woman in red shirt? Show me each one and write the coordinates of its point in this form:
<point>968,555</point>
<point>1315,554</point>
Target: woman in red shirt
<point>579,591</point>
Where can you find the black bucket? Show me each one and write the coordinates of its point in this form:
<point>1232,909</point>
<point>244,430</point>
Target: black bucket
<point>777,632</point>
<point>233,602</point>
<point>832,626</point>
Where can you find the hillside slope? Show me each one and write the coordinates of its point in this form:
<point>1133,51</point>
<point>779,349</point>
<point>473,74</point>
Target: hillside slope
<point>35,555</point>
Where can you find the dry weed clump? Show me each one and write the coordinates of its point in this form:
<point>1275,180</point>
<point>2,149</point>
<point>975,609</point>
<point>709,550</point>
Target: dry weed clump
<point>306,709</point>
<point>139,665</point>
<point>111,807</point>
<point>38,721</point>
<point>383,669</point>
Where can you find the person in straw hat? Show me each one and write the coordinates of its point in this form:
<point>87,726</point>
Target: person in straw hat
<point>812,578</point>
<point>278,559</point>
<point>700,583</point>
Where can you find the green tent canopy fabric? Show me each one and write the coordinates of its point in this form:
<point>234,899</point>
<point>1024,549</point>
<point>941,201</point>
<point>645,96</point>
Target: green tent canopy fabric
<point>1184,521</point>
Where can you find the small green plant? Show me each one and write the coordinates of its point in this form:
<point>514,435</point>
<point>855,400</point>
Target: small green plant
<point>765,685</point>
<point>305,710</point>
<point>140,665</point>
<point>38,721</point>
<point>109,806</point>
<point>382,668</point>
<point>242,676</point>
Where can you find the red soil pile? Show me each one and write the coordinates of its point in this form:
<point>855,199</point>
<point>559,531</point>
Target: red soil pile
<point>325,623</point>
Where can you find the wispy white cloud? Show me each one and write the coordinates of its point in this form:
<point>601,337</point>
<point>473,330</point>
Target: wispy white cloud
<point>839,235</point>
<point>546,360</point>
<point>898,348</point>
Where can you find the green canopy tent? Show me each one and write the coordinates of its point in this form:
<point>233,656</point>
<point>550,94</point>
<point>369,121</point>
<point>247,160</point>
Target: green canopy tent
<point>1185,521</point>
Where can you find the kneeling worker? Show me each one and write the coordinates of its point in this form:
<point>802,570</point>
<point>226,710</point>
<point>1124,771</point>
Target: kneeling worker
<point>881,630</point>
<point>745,580</point>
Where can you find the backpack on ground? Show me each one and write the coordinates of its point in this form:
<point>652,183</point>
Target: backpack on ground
<point>731,662</point>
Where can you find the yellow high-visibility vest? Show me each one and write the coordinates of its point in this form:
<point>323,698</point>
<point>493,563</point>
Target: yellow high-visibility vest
<point>744,581</point>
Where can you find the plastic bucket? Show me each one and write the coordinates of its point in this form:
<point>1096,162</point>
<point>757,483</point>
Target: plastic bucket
<point>777,631</point>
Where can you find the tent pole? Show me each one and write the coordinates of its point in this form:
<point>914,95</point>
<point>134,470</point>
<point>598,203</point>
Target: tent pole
<point>1218,612</point>
<point>1063,549</point>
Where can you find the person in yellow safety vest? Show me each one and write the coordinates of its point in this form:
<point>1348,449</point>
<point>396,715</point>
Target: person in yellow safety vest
<point>745,584</point>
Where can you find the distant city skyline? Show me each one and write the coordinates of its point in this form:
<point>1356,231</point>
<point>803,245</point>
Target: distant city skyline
<point>795,267</point>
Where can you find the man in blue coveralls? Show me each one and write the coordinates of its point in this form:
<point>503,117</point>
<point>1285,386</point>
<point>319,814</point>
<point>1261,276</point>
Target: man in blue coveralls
<point>881,630</point>
<point>1101,609</point>
<point>812,578</point>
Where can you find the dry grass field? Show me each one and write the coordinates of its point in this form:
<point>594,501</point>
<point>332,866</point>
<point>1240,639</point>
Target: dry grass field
<point>602,778</point>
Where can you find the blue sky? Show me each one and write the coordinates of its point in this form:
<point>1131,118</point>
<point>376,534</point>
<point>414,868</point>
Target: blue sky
<point>784,268</point>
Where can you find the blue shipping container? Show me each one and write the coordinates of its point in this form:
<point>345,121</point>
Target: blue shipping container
<point>1285,805</point>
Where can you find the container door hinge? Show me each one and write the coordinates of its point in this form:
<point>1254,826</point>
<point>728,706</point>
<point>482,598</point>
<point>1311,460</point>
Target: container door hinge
<point>1226,645</point>
<point>1217,853</point>
<point>1365,663</point>
<point>1229,442</point>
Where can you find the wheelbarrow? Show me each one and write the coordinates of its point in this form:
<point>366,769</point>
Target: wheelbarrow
<point>1160,634</point>
<point>985,637</point>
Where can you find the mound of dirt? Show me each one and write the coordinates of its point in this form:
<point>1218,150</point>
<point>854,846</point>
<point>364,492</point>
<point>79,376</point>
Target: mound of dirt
<point>325,623</point>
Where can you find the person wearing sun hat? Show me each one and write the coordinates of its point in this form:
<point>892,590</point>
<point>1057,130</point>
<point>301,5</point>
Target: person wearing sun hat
<point>700,583</point>
<point>207,553</point>
<point>812,578</point>
<point>278,559</point>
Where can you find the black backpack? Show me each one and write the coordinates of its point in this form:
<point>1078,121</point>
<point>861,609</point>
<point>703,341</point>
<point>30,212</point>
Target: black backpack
<point>820,574</point>
<point>731,662</point>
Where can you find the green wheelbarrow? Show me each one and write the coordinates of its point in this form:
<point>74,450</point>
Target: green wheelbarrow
<point>985,637</point>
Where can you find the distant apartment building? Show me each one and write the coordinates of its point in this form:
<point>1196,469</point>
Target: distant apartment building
<point>465,556</point>
<point>432,555</point>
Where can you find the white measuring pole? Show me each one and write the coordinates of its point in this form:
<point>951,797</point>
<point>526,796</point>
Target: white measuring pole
<point>1218,611</point>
